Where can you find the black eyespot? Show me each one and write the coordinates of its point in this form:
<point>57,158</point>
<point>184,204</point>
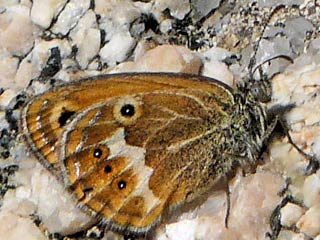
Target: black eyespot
<point>127,110</point>
<point>122,184</point>
<point>65,116</point>
<point>97,153</point>
<point>107,169</point>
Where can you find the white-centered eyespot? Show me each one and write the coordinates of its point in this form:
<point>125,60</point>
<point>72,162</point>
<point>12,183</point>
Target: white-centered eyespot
<point>127,109</point>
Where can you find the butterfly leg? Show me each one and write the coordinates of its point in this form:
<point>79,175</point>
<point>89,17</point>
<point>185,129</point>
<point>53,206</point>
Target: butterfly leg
<point>314,163</point>
<point>277,115</point>
<point>227,189</point>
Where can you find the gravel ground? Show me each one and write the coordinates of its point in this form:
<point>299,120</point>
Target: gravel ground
<point>46,42</point>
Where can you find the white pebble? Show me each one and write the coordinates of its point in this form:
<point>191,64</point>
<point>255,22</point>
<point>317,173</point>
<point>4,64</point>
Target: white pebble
<point>23,192</point>
<point>177,59</point>
<point>178,9</point>
<point>117,49</point>
<point>6,97</point>
<point>290,214</point>
<point>186,230</point>
<point>88,21</point>
<point>89,47</point>
<point>218,70</point>
<point>13,227</point>
<point>166,26</point>
<point>24,73</point>
<point>311,189</point>
<point>43,11</point>
<point>70,16</point>
<point>8,69</point>
<point>310,222</point>
<point>17,35</point>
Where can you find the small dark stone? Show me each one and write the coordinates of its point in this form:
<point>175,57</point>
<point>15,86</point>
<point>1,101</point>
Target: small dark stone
<point>53,64</point>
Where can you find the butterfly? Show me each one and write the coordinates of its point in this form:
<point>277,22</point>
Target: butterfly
<point>134,147</point>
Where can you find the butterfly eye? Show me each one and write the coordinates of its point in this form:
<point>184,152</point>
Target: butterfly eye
<point>122,184</point>
<point>97,153</point>
<point>127,110</point>
<point>107,169</point>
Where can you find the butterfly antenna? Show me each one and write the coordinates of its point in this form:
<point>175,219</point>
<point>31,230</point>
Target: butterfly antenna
<point>251,66</point>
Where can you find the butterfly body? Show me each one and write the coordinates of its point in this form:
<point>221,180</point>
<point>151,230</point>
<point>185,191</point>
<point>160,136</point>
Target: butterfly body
<point>133,146</point>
